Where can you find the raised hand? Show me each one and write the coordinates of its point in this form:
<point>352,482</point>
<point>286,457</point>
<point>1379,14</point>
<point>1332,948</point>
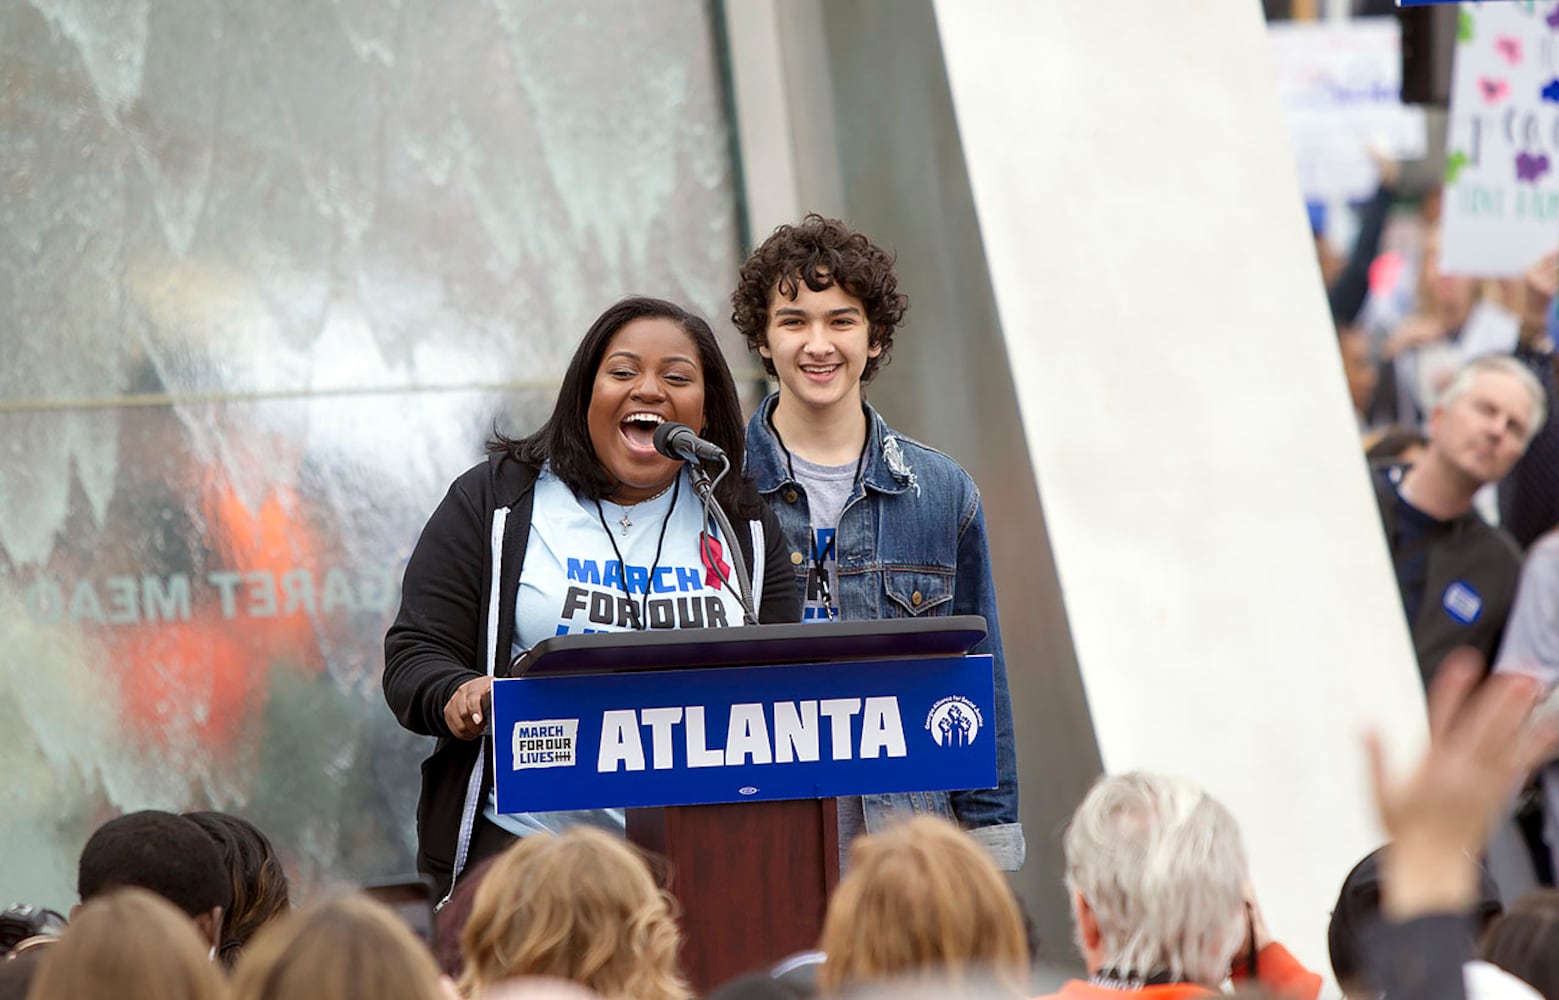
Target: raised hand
<point>1482,744</point>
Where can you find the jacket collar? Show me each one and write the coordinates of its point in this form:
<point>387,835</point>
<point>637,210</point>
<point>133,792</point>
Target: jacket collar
<point>511,479</point>
<point>886,469</point>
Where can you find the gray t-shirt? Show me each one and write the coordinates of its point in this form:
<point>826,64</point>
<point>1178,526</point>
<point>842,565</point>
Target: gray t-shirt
<point>1531,643</point>
<point>1531,646</point>
<point>828,487</point>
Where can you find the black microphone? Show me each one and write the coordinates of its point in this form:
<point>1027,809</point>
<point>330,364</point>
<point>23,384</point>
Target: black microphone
<point>676,440</point>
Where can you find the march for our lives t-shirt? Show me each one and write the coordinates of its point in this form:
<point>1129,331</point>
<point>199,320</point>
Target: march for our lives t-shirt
<point>573,584</point>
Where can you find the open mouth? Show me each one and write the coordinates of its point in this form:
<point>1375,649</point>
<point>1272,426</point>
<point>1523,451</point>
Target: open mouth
<point>639,430</point>
<point>820,371</point>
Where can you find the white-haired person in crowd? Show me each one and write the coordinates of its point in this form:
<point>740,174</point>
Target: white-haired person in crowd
<point>1160,896</point>
<point>1456,572</point>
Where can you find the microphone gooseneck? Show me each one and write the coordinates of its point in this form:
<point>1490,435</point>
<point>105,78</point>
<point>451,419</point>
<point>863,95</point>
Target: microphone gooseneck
<point>678,441</point>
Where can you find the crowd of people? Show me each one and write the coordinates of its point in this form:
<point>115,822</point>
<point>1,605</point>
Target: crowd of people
<point>197,907</point>
<point>1455,384</point>
<point>841,517</point>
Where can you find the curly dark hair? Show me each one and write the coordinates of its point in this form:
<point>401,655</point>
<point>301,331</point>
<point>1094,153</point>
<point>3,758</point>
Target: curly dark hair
<point>564,440</point>
<point>158,851</point>
<point>821,252</point>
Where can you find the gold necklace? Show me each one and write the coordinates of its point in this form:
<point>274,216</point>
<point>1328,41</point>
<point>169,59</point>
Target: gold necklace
<point>625,520</point>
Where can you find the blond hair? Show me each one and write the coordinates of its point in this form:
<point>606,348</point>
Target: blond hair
<point>338,949</point>
<point>922,900</point>
<point>579,906</point>
<point>129,944</point>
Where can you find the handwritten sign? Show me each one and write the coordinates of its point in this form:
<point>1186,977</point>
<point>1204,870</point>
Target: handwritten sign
<point>1341,89</point>
<point>1502,148</point>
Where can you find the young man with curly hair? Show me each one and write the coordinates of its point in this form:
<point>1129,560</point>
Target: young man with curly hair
<point>879,525</point>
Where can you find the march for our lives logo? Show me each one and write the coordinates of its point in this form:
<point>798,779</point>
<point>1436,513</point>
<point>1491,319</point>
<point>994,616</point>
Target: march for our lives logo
<point>603,595</point>
<point>1462,602</point>
<point>545,743</point>
<point>954,722</point>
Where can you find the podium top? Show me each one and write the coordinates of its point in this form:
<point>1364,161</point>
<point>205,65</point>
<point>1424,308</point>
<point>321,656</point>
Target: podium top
<point>750,645</point>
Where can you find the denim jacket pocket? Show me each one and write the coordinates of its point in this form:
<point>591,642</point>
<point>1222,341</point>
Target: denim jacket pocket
<point>918,591</point>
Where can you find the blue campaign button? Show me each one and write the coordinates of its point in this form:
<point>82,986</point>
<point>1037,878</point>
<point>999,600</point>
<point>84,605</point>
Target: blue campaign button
<point>1461,602</point>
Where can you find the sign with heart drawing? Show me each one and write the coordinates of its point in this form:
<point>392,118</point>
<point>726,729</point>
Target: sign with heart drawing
<point>1501,206</point>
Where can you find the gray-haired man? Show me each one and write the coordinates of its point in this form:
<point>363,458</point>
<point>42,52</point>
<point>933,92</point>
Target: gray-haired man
<point>1161,898</point>
<point>1456,572</point>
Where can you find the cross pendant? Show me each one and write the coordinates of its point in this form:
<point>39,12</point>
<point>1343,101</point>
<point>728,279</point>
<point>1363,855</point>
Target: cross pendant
<point>625,523</point>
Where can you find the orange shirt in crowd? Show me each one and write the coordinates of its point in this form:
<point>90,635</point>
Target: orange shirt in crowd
<point>1278,972</point>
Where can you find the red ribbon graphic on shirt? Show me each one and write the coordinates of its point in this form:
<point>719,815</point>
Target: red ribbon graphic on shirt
<point>712,553</point>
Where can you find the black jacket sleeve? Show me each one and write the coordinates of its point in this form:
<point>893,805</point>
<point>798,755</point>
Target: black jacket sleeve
<point>781,602</point>
<point>1351,286</point>
<point>432,648</point>
<point>1422,958</point>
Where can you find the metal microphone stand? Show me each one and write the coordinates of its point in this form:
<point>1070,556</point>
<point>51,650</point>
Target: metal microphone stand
<point>705,488</point>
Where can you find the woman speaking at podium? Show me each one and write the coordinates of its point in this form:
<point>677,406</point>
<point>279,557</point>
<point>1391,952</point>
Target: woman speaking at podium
<point>582,526</point>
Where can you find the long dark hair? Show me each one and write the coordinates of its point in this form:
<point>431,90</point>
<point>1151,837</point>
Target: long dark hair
<point>260,888</point>
<point>564,440</point>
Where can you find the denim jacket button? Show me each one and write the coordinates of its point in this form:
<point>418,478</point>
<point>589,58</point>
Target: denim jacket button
<point>915,598</point>
<point>795,558</point>
<point>790,496</point>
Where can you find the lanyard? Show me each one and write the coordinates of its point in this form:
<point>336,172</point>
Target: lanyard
<point>642,610</point>
<point>819,558</point>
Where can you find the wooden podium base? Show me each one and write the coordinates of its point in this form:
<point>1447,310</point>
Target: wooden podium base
<point>753,879</point>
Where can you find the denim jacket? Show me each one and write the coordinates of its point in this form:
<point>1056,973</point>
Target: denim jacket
<point>911,542</point>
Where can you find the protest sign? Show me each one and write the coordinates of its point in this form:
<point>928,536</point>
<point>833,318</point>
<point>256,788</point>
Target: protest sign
<point>1340,84</point>
<point>1501,206</point>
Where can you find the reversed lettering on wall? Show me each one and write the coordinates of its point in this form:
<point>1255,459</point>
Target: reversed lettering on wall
<point>231,593</point>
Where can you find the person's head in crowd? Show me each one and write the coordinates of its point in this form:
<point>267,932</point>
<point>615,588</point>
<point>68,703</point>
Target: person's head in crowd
<point>449,923</point>
<point>163,853</point>
<point>1358,910</point>
<point>928,985</point>
<point>591,441</point>
<point>338,949</point>
<point>128,944</point>
<point>537,988</point>
<point>1482,423</point>
<point>1397,444</point>
<point>760,985</point>
<point>259,885</point>
<point>1487,981</point>
<point>819,257</point>
<point>1524,941</point>
<point>1358,365</point>
<point>580,906</point>
<point>1157,875</point>
<point>922,899</point>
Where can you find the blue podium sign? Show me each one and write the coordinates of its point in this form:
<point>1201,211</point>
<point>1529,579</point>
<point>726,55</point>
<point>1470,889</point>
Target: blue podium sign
<point>743,734</point>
